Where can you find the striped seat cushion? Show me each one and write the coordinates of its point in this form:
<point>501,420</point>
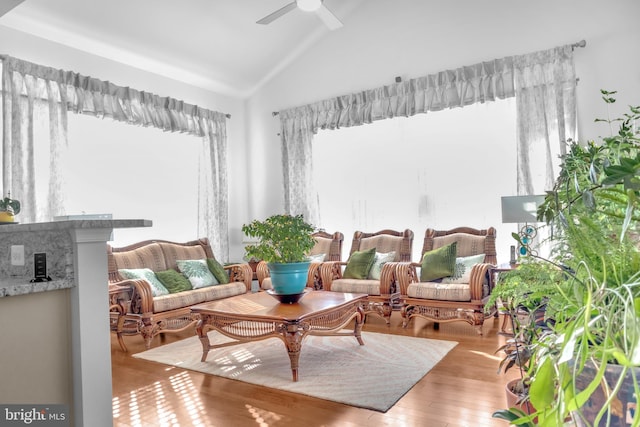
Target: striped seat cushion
<point>440,291</point>
<point>358,286</point>
<point>196,296</point>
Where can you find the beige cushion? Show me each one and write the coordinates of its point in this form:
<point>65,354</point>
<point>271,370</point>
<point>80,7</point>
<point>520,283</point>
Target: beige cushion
<point>150,257</point>
<point>266,283</point>
<point>467,244</point>
<point>440,291</point>
<point>383,243</point>
<point>358,286</point>
<point>196,296</point>
<point>173,252</point>
<point>322,246</point>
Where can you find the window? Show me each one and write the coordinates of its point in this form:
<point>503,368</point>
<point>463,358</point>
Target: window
<point>133,172</point>
<point>438,170</point>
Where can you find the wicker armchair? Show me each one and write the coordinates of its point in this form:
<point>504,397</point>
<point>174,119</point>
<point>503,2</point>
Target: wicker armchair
<point>449,302</point>
<point>328,244</point>
<point>383,294</point>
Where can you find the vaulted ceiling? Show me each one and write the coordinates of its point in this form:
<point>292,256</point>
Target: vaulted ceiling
<point>212,44</point>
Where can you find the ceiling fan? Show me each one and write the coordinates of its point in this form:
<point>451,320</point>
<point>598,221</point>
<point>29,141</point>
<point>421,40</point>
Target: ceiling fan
<point>330,20</point>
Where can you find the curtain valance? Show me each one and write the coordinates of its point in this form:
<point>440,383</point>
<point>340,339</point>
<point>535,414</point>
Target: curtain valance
<point>88,95</point>
<point>482,82</point>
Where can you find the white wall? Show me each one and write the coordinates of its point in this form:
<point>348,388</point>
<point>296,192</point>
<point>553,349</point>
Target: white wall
<point>40,51</point>
<point>410,38</point>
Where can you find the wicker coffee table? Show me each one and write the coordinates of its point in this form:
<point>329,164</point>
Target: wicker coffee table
<point>258,316</point>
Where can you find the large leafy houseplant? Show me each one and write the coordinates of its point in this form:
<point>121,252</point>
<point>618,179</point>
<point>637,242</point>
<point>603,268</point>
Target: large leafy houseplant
<point>281,239</point>
<point>283,242</point>
<point>594,209</point>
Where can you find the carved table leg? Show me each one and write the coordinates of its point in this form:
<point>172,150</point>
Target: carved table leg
<point>293,340</point>
<point>204,338</point>
<point>357,331</point>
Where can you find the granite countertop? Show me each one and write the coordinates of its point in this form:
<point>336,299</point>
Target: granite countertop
<point>13,286</point>
<point>74,224</point>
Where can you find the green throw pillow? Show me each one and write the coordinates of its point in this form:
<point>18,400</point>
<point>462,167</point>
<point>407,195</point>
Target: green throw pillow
<point>359,264</point>
<point>197,272</point>
<point>218,270</point>
<point>173,281</point>
<point>157,288</point>
<point>439,263</point>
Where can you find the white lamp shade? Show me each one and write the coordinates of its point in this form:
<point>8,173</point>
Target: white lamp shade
<point>521,209</point>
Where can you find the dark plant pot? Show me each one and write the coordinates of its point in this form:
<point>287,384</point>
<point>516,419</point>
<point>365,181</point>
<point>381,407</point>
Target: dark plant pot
<point>512,399</point>
<point>623,406</point>
<point>289,279</point>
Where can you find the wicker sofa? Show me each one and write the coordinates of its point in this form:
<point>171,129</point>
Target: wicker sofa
<point>133,307</point>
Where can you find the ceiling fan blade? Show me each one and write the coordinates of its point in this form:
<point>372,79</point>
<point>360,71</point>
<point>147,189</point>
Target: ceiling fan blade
<point>277,14</point>
<point>330,20</point>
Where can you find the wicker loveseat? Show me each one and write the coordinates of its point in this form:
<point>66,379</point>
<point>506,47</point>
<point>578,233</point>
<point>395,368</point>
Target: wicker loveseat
<point>133,307</point>
<point>459,298</point>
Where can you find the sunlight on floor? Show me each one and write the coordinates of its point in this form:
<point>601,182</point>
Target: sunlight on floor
<point>240,361</point>
<point>129,410</point>
<point>487,355</point>
<point>262,417</point>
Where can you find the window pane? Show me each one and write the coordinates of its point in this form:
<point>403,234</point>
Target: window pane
<point>438,170</point>
<point>133,172</point>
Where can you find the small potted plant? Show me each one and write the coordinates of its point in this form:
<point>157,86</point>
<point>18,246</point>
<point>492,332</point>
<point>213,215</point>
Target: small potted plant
<point>523,294</point>
<point>8,209</point>
<point>284,242</point>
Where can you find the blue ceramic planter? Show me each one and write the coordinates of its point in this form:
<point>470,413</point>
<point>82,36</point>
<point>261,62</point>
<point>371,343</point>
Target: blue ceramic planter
<point>289,279</point>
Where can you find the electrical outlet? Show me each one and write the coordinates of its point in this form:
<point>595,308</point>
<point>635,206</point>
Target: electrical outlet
<point>17,255</point>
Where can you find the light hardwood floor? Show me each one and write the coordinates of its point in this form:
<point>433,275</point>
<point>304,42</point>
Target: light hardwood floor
<point>462,390</point>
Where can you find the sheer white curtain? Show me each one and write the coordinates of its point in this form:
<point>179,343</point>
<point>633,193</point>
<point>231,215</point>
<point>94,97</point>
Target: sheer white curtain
<point>481,82</point>
<point>33,93</point>
<point>29,103</point>
<point>300,196</point>
<point>546,115</point>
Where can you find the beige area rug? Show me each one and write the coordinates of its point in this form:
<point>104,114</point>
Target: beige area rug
<point>331,368</point>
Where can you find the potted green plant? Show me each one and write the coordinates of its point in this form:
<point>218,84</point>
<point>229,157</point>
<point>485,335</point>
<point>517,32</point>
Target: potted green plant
<point>587,367</point>
<point>8,209</point>
<point>283,242</point>
<point>522,294</point>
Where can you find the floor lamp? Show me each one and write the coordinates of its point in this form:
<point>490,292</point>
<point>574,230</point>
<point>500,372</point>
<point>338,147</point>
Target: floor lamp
<point>522,210</point>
